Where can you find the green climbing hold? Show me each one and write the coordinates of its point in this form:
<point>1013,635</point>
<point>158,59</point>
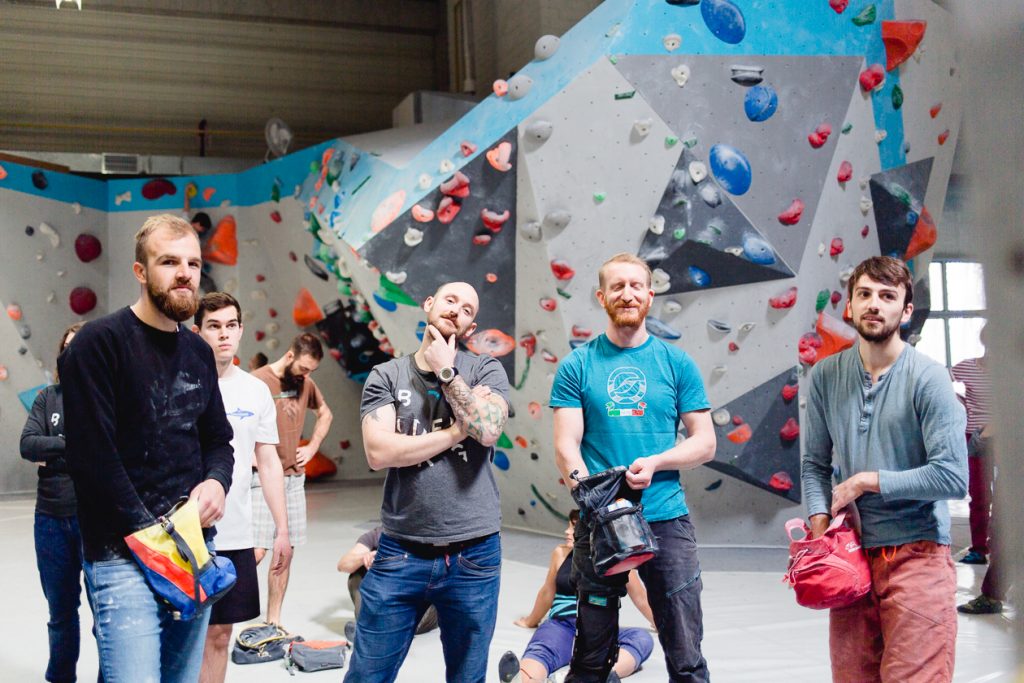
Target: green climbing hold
<point>671,140</point>
<point>679,233</point>
<point>504,441</point>
<point>847,128</point>
<point>866,16</point>
<point>314,166</point>
<point>275,193</point>
<point>599,197</point>
<point>613,59</point>
<point>822,300</point>
<point>524,375</point>
<point>345,288</point>
<point>314,226</point>
<point>901,193</point>
<point>389,291</point>
<point>897,97</point>
<point>564,294</point>
<point>690,142</point>
<point>628,95</point>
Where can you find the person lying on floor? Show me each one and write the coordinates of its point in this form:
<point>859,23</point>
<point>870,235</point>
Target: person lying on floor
<point>550,648</point>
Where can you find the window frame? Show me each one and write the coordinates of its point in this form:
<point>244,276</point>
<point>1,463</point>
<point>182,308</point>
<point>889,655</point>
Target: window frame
<point>945,315</point>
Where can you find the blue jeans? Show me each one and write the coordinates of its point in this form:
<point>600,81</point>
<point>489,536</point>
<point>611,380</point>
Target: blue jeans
<point>138,639</point>
<point>397,590</point>
<point>59,559</point>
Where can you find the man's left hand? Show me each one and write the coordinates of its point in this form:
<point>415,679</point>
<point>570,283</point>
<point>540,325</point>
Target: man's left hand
<point>282,553</point>
<point>209,496</point>
<point>441,352</point>
<point>852,489</point>
<point>639,474</point>
<point>303,454</point>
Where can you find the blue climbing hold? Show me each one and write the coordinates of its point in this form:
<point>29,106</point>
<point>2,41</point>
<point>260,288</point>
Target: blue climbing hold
<point>724,19</point>
<point>660,329</point>
<point>731,169</point>
<point>421,328</point>
<point>501,460</point>
<point>760,102</point>
<point>912,218</point>
<point>756,250</point>
<point>698,276</point>
<point>388,306</point>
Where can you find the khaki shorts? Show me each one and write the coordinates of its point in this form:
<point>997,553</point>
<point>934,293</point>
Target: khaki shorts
<point>263,529</point>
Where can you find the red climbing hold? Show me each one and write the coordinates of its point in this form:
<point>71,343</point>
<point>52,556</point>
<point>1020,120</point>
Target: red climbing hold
<point>943,136</point>
<point>581,332</point>
<point>260,335</point>
<point>481,240</point>
<point>781,481</point>
<point>522,442</point>
<point>158,187</point>
<point>864,231</point>
<point>836,247</point>
<point>272,312</point>
<point>901,38</point>
<point>733,347</point>
<point>838,5</point>
<point>741,434</point>
<point>836,298</point>
<point>807,347</point>
<point>456,186</point>
<point>936,108</point>
<point>548,356</point>
<point>790,431</point>
<point>562,270</point>
<point>791,216</point>
<point>548,304</point>
<point>737,420</point>
<point>872,77</point>
<point>335,354</point>
<point>82,300</point>
<point>493,220</point>
<point>222,247</point>
<point>820,135</point>
<point>292,256</point>
<point>467,148</point>
<point>790,391</point>
<point>529,343</point>
<point>87,247</point>
<point>421,215</point>
<point>491,277</point>
<point>447,210</point>
<point>275,216</point>
<point>845,172</point>
<point>306,311</point>
<point>784,300</point>
<point>260,277</point>
<point>924,236</point>
<point>498,157</point>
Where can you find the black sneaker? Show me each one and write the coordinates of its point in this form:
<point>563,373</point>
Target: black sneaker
<point>981,605</point>
<point>508,667</point>
<point>974,557</point>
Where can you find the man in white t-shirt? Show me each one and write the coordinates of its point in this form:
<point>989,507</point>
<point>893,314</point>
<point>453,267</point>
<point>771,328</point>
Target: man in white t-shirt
<point>250,409</point>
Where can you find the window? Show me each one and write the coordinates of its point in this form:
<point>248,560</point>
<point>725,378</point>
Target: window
<point>950,334</point>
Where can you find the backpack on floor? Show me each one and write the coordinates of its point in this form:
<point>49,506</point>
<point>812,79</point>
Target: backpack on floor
<point>317,655</point>
<point>261,643</point>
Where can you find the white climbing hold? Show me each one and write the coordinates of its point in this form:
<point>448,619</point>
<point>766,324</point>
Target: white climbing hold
<point>735,251</point>
<point>258,294</point>
<point>61,273</point>
<point>247,315</point>
<point>661,281</point>
<point>657,224</point>
<point>721,417</point>
<point>671,306</point>
<point>845,275</point>
<point>545,47</point>
<point>681,74</point>
<point>273,343</point>
<point>821,249</point>
<point>272,328</point>
<point>413,237</point>
<point>698,171</point>
<point>47,229</point>
<point>719,370</point>
<point>396,278</point>
<point>51,297</point>
<point>123,197</point>
<point>710,194</point>
<point>446,166</point>
<point>518,86</point>
<point>557,219</point>
<point>672,41</point>
<point>231,285</point>
<point>880,135</point>
<point>643,126</point>
<point>40,256</point>
<point>747,327</point>
<point>531,231</point>
<point>539,130</point>
<point>425,181</point>
<point>865,205</point>
<point>76,207</point>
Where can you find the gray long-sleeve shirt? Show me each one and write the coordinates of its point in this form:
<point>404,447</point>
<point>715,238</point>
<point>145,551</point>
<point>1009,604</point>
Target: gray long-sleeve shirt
<point>908,426</point>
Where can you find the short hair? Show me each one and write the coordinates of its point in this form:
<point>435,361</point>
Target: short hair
<point>887,270</point>
<point>623,257</point>
<point>307,344</point>
<point>73,329</point>
<point>176,224</point>
<point>574,516</point>
<point>213,302</point>
<point>258,360</point>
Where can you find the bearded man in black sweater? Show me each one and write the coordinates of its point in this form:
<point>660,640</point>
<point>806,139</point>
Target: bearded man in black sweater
<point>145,427</point>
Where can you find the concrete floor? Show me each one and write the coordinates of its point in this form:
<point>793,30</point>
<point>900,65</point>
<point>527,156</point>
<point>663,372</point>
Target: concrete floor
<point>753,629</point>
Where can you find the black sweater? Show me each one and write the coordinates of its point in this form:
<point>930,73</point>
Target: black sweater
<point>145,424</point>
<point>42,441</point>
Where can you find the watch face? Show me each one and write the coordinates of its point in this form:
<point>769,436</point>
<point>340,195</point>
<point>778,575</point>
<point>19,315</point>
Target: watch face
<point>446,375</point>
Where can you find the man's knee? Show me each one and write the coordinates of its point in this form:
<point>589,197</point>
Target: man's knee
<point>218,636</point>
<point>259,553</point>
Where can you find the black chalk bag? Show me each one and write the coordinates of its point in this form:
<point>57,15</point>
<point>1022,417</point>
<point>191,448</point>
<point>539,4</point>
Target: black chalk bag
<point>620,537</point>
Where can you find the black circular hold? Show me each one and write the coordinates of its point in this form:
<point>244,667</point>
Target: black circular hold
<point>22,350</point>
<point>39,180</point>
<point>522,512</point>
<point>29,230</point>
<point>534,456</point>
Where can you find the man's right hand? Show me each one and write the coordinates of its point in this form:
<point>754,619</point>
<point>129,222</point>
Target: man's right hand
<point>282,554</point>
<point>368,559</point>
<point>818,524</point>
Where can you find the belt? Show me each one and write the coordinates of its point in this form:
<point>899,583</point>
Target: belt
<point>431,551</point>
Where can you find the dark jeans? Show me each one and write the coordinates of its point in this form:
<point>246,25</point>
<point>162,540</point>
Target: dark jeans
<point>673,586</point>
<point>59,559</point>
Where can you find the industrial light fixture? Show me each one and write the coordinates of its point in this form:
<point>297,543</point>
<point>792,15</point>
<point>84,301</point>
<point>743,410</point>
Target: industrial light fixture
<point>78,3</point>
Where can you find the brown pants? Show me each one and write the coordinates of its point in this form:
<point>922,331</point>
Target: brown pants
<point>905,628</point>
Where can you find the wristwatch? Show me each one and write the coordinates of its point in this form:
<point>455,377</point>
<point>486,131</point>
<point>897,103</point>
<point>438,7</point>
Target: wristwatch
<point>446,375</point>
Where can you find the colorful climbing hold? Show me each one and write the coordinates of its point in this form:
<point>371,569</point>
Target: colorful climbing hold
<point>306,311</point>
<point>3,172</point>
<point>791,216</point>
<point>456,186</point>
<point>789,392</point>
<point>781,481</point>
<point>866,16</point>
<point>760,102</point>
<point>835,248</point>
<point>661,329</point>
<point>756,250</point>
<point>562,270</point>
<point>481,240</point>
<point>671,140</point>
<point>698,276</point>
<point>790,430</point>
<point>208,193</point>
<point>901,39</point>
<point>835,298</point>
<point>529,343</point>
<point>733,347</point>
<point>548,304</point>
<point>548,356</point>
<point>491,277</point>
<point>845,172</point>
<point>872,77</point>
<point>897,97</point>
<point>447,210</point>
<point>222,246</point>
<point>943,136</point>
<point>275,216</point>
<point>835,335</point>
<point>731,168</point>
<point>158,187</point>
<point>784,300</point>
<point>838,5</point>
<point>747,74</point>
<point>545,47</point>
<point>522,442</point>
<point>500,87</point>
<point>820,135</point>
<point>924,236</point>
<point>87,247</point>
<point>822,300</point>
<point>491,342</point>
<point>14,311</point>
<point>740,434</point>
<point>421,214</point>
<point>467,148</point>
<point>82,300</point>
<point>498,157</point>
<point>502,463</point>
<point>493,220</point>
<point>39,180</point>
<point>387,211</point>
<point>724,19</point>
<point>935,109</point>
<point>581,332</point>
<point>599,197</point>
<point>535,410</point>
<point>626,95</point>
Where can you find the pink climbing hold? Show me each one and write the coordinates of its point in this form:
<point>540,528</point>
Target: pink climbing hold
<point>836,247</point>
<point>481,240</point>
<point>493,220</point>
<point>87,247</point>
<point>943,136</point>
<point>838,5</point>
<point>864,231</point>
<point>936,108</point>
<point>790,391</point>
<point>447,210</point>
<point>548,304</point>
<point>562,270</point>
<point>835,298</point>
<point>807,347</point>
<point>581,332</point>
<point>14,311</point>
<point>791,216</point>
<point>498,157</point>
<point>872,77</point>
<point>535,410</point>
<point>784,300</point>
<point>733,347</point>
<point>387,211</point>
<point>82,300</point>
<point>548,356</point>
<point>790,431</point>
<point>741,434</point>
<point>421,214</point>
<point>820,135</point>
<point>500,87</point>
<point>845,172</point>
<point>781,481</point>
<point>737,420</point>
<point>456,186</point>
<point>467,148</point>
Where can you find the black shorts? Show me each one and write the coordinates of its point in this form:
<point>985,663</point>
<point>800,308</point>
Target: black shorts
<point>242,602</point>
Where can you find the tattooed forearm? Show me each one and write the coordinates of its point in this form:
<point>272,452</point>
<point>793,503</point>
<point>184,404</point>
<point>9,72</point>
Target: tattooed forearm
<point>482,416</point>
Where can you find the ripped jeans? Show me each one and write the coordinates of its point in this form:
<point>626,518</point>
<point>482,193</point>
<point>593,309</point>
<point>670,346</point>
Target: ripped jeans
<point>673,586</point>
<point>138,639</point>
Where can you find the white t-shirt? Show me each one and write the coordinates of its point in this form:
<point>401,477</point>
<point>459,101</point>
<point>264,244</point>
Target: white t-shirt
<point>251,412</point>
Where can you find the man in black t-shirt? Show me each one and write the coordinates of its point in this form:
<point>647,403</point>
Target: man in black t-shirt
<point>145,427</point>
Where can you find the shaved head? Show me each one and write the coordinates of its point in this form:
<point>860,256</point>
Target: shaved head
<point>465,291</point>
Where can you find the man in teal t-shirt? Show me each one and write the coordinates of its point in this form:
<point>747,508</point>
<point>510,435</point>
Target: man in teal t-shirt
<point>618,400</point>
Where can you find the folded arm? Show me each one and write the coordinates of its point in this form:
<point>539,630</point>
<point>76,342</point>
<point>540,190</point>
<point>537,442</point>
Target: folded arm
<point>385,447</point>
<point>37,445</point>
<point>483,414</point>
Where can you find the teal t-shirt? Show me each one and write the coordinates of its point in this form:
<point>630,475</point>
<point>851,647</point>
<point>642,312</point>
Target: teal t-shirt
<point>631,401</point>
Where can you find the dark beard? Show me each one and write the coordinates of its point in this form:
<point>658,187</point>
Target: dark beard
<point>175,308</point>
<point>622,319</point>
<point>290,382</point>
<point>882,336</point>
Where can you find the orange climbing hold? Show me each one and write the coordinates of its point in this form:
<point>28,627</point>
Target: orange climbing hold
<point>387,211</point>
<point>491,342</point>
<point>208,193</point>
<point>499,157</point>
<point>306,311</point>
<point>835,335</point>
<point>943,136</point>
<point>741,434</point>
<point>924,236</point>
<point>901,38</point>
<point>522,442</point>
<point>222,247</point>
